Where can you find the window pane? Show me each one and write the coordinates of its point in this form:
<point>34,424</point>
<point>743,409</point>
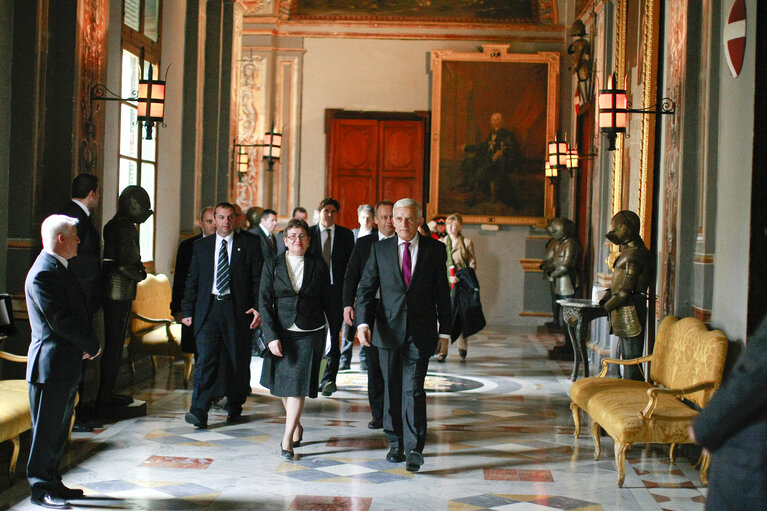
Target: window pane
<point>148,147</point>
<point>128,174</point>
<point>130,69</point>
<point>129,131</point>
<point>146,230</point>
<point>131,13</point>
<point>151,16</point>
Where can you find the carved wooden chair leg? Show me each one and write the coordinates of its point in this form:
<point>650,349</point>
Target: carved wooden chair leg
<point>576,419</point>
<point>672,453</point>
<point>154,364</point>
<point>187,371</point>
<point>132,366</point>
<point>620,461</point>
<point>14,458</point>
<point>704,461</point>
<point>595,427</point>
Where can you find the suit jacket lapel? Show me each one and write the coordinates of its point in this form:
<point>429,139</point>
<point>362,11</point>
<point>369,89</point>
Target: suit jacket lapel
<point>395,254</point>
<point>423,252</point>
<point>308,273</point>
<point>236,251</point>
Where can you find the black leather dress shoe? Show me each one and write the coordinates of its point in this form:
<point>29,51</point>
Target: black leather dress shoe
<point>234,417</point>
<point>50,501</point>
<point>69,493</point>
<point>81,426</point>
<point>395,455</point>
<point>375,424</point>
<point>194,420</point>
<point>413,461</point>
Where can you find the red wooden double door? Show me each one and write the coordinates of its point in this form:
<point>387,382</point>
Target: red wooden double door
<point>373,156</point>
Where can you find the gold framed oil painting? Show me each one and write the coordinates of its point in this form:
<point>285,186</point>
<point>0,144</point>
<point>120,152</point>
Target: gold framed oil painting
<point>492,115</point>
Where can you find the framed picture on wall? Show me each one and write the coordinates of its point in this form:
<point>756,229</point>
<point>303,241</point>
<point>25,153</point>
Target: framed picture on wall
<point>492,115</point>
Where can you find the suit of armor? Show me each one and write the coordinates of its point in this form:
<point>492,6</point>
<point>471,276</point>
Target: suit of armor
<point>123,270</point>
<point>626,300</point>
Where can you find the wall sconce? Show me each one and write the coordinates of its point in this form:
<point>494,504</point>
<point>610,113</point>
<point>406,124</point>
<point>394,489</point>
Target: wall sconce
<point>558,153</point>
<point>150,97</point>
<point>552,173</point>
<point>272,151</point>
<point>242,161</point>
<point>572,160</point>
<point>614,110</point>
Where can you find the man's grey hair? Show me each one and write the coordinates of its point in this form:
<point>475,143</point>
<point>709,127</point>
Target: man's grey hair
<point>366,207</point>
<point>408,203</point>
<point>52,227</point>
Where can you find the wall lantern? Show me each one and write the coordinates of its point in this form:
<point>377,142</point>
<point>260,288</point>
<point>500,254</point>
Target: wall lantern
<point>558,153</point>
<point>150,97</point>
<point>551,172</point>
<point>614,110</point>
<point>572,160</point>
<point>272,151</point>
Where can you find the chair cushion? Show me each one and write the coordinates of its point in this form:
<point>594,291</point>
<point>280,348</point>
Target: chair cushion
<point>14,408</point>
<point>155,342</point>
<point>687,353</point>
<point>153,295</point>
<point>615,405</point>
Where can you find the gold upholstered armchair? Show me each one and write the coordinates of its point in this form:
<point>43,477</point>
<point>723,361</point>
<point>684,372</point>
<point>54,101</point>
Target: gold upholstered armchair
<point>152,329</point>
<point>685,367</point>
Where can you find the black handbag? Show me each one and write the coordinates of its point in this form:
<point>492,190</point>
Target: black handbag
<point>260,347</point>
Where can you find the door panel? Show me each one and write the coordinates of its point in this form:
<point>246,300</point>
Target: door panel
<point>372,157</point>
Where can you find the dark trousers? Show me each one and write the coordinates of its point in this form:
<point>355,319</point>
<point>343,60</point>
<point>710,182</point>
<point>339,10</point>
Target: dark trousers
<point>404,373</point>
<point>116,315</point>
<point>51,406</point>
<point>376,384</point>
<point>335,322</point>
<point>219,349</point>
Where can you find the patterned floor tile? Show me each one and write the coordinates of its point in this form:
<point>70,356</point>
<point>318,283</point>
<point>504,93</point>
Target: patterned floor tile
<point>177,462</point>
<point>323,503</point>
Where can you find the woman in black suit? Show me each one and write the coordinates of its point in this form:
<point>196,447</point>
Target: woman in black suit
<point>294,305</point>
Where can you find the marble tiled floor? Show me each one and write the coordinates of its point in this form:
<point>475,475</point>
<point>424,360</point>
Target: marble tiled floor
<point>500,437</point>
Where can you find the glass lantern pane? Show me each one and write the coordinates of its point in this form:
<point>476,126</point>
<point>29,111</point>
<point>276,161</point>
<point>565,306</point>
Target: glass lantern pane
<point>129,131</point>
<point>151,18</point>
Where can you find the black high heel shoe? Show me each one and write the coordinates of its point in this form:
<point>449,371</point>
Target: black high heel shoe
<point>288,455</point>
<point>297,443</point>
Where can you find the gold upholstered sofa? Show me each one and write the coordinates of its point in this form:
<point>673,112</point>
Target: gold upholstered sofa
<point>152,328</point>
<point>15,417</point>
<point>685,369</point>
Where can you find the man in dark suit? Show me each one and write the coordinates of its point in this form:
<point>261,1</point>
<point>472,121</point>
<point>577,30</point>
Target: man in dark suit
<point>86,265</point>
<point>360,254</point>
<point>733,427</point>
<point>183,261</point>
<point>265,232</point>
<point>409,270</point>
<point>61,336</point>
<point>221,295</point>
<point>334,244</point>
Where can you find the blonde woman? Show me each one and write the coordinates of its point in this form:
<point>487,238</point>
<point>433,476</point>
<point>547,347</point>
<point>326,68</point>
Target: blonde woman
<point>460,255</point>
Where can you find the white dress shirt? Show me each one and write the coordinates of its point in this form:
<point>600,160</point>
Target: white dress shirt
<point>323,236</point>
<point>295,266</point>
<point>229,239</point>
<point>58,257</point>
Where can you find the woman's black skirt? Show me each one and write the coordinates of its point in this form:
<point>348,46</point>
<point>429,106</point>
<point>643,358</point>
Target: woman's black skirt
<point>296,373</point>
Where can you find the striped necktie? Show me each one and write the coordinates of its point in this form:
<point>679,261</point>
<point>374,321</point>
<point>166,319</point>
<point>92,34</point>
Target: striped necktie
<point>407,270</point>
<point>222,270</point>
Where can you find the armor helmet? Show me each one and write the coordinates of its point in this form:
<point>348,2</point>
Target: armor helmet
<point>578,29</point>
<point>134,204</point>
<point>624,227</point>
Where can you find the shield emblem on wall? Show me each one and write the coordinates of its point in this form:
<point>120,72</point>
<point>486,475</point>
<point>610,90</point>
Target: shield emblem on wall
<point>734,37</point>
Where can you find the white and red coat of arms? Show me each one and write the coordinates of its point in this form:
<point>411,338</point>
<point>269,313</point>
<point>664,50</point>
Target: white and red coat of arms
<point>734,37</point>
